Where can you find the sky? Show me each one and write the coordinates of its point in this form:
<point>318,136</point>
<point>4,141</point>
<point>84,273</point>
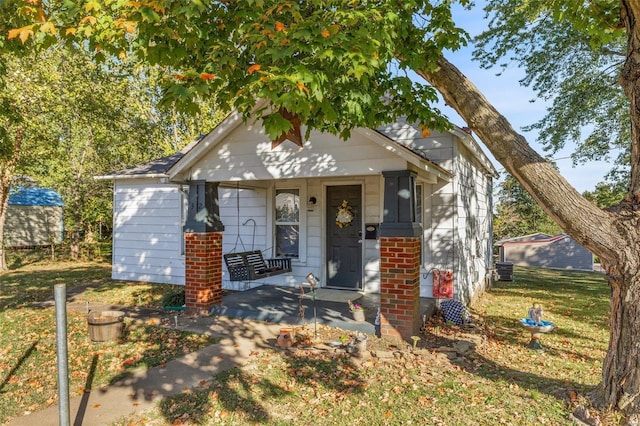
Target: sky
<point>513,101</point>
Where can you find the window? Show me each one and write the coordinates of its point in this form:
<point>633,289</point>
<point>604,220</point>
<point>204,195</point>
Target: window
<point>287,222</point>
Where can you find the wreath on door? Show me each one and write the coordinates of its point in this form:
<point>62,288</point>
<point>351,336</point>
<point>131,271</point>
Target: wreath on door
<point>345,215</point>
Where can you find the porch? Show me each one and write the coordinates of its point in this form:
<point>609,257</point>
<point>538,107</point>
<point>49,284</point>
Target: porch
<point>281,305</point>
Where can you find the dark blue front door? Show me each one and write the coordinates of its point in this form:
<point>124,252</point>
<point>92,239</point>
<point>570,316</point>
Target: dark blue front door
<point>344,236</point>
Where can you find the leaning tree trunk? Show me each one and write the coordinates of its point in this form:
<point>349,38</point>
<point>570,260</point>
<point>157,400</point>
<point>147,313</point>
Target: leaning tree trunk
<point>630,82</point>
<point>613,236</point>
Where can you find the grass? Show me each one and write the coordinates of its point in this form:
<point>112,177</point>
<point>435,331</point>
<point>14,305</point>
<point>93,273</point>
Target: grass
<point>497,381</point>
<point>28,371</point>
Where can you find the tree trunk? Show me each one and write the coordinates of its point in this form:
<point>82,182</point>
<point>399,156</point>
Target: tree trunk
<point>576,215</point>
<point>630,82</point>
<point>7,167</point>
<point>613,236</point>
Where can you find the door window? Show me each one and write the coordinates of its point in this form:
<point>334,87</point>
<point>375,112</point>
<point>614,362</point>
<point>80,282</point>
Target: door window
<point>287,222</point>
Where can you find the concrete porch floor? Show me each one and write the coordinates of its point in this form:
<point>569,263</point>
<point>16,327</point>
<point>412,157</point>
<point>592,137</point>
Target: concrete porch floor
<point>281,305</point>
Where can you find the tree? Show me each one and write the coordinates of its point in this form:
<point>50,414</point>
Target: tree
<point>77,120</point>
<point>518,214</point>
<point>340,64</point>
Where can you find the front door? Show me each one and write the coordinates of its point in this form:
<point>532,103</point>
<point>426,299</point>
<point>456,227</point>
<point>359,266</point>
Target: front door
<point>344,237</point>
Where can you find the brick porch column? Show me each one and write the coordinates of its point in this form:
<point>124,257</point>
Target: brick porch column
<point>203,271</point>
<point>399,287</point>
<point>203,248</point>
<point>400,257</point>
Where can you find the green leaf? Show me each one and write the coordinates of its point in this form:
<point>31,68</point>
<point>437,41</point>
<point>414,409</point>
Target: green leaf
<point>149,15</point>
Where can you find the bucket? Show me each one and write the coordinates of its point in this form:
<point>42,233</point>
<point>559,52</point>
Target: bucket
<point>105,325</point>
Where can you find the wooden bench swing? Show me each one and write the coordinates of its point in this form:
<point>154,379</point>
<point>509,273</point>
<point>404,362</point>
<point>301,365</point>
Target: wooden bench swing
<point>251,265</point>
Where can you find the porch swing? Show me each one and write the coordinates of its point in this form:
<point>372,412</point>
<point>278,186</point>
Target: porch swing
<point>251,265</point>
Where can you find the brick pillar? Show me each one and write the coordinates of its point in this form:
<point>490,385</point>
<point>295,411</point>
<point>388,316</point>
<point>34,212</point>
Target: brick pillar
<point>203,248</point>
<point>399,287</point>
<point>400,239</point>
<point>203,271</point>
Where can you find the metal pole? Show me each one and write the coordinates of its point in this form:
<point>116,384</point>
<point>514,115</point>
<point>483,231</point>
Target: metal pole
<point>315,314</point>
<point>60,295</point>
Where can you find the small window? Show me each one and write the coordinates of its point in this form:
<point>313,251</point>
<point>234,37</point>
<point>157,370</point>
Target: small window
<point>287,222</point>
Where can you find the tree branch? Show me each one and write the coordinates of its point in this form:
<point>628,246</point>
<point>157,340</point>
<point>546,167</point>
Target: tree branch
<point>577,216</point>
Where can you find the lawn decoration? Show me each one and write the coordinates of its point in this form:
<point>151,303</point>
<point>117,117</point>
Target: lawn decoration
<point>536,326</point>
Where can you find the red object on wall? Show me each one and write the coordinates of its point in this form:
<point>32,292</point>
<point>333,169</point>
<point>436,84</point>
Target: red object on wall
<point>443,284</point>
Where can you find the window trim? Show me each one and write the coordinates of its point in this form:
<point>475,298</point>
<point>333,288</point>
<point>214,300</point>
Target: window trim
<point>302,220</point>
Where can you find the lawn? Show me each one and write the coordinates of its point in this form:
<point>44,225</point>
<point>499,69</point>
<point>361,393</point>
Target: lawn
<point>478,374</point>
<point>481,374</point>
<point>28,343</point>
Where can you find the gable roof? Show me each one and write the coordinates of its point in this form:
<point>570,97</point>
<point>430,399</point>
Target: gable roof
<point>170,166</point>
<point>34,196</point>
<point>152,169</point>
<point>537,238</point>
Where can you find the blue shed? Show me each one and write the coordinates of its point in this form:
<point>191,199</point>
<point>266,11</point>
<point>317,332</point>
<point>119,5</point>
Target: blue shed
<point>34,217</point>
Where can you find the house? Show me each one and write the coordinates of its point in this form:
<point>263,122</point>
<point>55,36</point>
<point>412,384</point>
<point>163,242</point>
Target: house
<point>34,217</point>
<point>329,206</point>
<point>546,251</point>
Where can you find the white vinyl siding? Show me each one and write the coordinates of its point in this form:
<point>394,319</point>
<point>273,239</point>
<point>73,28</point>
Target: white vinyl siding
<point>147,232</point>
<point>246,155</point>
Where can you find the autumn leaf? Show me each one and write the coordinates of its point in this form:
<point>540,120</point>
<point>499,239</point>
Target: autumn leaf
<point>280,26</point>
<point>70,31</point>
<point>23,33</point>
<point>48,27</point>
<point>253,68</point>
<point>90,19</point>
<point>129,26</point>
<point>14,33</point>
<point>268,34</point>
<point>92,5</point>
<point>303,88</point>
